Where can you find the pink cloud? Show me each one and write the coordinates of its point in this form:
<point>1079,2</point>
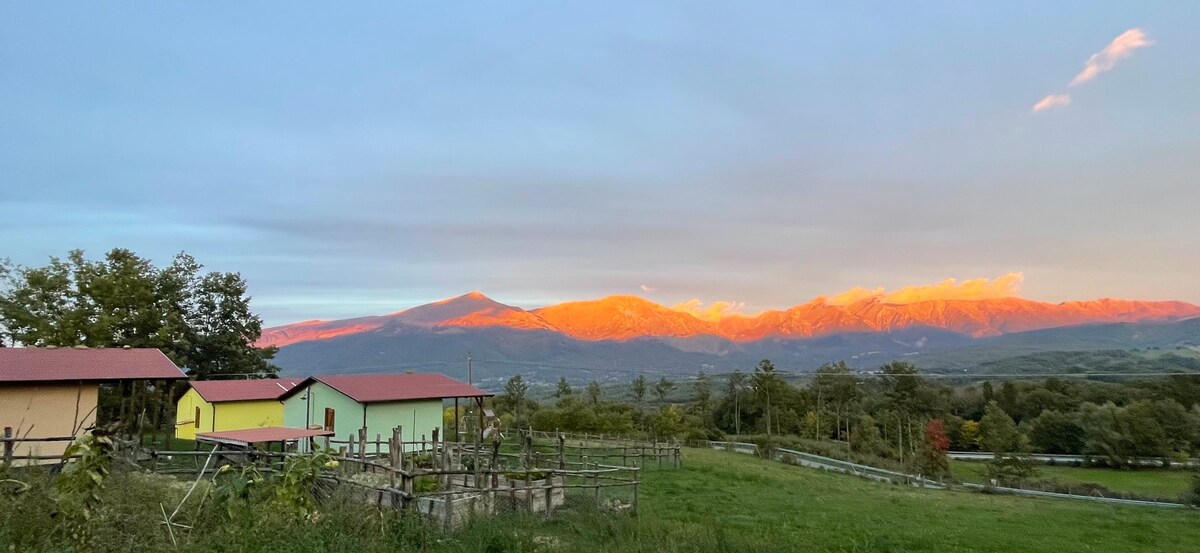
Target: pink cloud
<point>1052,101</point>
<point>1104,60</point>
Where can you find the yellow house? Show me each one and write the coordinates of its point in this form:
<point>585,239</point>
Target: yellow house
<point>48,396</point>
<point>219,405</point>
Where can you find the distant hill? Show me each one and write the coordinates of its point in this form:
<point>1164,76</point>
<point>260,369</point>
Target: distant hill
<point>544,355</point>
<point>619,318</point>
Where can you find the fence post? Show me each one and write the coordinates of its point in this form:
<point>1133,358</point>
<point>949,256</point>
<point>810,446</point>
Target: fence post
<point>8,446</point>
<point>362,448</point>
<point>562,460</point>
<point>636,473</point>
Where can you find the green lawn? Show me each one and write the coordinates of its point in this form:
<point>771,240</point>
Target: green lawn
<point>731,501</point>
<point>1157,483</point>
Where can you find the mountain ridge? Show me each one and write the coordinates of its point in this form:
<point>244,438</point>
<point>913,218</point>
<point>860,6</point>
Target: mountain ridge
<point>629,317</point>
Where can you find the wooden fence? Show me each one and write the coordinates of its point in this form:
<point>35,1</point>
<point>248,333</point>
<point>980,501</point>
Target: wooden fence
<point>452,481</point>
<point>11,440</point>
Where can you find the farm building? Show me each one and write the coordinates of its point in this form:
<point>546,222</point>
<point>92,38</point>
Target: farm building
<point>378,402</point>
<point>220,405</point>
<point>54,392</point>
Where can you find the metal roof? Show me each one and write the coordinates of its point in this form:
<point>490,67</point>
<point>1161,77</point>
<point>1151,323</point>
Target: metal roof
<point>375,388</point>
<point>91,364</point>
<point>216,391</point>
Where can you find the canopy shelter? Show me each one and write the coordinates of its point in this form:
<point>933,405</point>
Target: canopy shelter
<point>248,437</point>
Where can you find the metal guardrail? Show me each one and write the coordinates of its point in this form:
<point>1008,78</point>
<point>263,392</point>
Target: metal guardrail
<point>874,473</point>
<point>1063,458</point>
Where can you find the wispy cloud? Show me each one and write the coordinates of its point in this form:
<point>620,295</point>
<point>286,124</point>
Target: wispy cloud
<point>1100,62</point>
<point>646,288</point>
<point>1052,101</point>
<point>1104,60</point>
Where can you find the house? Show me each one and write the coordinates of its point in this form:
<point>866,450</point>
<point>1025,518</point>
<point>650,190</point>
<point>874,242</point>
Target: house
<point>343,404</point>
<point>220,405</point>
<point>54,392</point>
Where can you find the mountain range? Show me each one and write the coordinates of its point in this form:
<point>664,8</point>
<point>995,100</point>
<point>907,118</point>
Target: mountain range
<point>632,333</point>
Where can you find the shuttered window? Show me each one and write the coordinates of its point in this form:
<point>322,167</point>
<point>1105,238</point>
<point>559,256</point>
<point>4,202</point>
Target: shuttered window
<point>329,419</point>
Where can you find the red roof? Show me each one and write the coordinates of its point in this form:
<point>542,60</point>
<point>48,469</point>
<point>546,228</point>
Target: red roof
<point>257,435</point>
<point>215,391</point>
<point>374,388</point>
<point>73,364</point>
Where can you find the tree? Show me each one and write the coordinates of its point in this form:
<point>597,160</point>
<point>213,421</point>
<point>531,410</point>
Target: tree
<point>766,382</point>
<point>1008,397</point>
<point>702,399</point>
<point>866,437</point>
<point>200,321</point>
<point>515,392</point>
<point>669,422</point>
<point>989,394</point>
<point>662,388</point>
<point>901,385</point>
<point>593,392</point>
<point>1055,432</point>
<point>837,387</point>
<point>737,383</point>
<point>933,462</point>
<point>970,435</point>
<point>639,389</point>
<point>999,435</point>
<point>563,390</point>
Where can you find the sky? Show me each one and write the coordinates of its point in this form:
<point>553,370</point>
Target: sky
<point>352,160</point>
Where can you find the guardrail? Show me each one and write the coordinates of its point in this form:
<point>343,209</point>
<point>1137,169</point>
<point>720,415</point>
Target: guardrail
<point>874,473</point>
<point>1063,458</point>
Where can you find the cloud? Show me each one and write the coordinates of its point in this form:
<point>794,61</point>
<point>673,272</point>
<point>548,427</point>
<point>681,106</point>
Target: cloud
<point>1104,60</point>
<point>1005,286</point>
<point>1052,101</point>
<point>646,288</point>
<point>712,313</point>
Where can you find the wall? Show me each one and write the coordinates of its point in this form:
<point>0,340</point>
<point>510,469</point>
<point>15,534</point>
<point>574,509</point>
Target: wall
<point>236,415</point>
<point>49,410</point>
<point>185,413</point>
<point>416,417</point>
<point>299,412</point>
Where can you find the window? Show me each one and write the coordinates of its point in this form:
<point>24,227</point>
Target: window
<point>329,419</point>
<point>196,419</point>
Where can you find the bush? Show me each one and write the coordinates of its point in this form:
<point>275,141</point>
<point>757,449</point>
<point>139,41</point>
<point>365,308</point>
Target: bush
<point>1191,496</point>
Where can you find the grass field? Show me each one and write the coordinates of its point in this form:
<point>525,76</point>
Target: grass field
<point>1158,483</point>
<point>719,501</point>
<point>748,503</point>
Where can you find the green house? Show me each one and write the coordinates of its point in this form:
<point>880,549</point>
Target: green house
<point>343,404</point>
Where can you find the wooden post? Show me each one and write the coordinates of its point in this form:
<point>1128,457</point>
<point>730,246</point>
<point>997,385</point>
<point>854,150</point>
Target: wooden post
<point>342,454</point>
<point>362,447</point>
<point>400,446</point>
<point>635,491</point>
<point>549,493</point>
<point>378,441</point>
<point>8,446</point>
<point>562,460</point>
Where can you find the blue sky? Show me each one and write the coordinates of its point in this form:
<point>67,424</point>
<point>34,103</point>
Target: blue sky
<point>366,159</point>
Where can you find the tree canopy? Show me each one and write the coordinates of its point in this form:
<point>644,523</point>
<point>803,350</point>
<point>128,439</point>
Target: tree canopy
<point>201,321</point>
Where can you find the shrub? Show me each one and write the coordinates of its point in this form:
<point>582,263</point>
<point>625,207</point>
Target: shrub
<point>1191,496</point>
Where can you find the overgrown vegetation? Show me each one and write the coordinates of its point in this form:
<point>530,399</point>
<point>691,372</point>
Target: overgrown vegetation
<point>803,509</point>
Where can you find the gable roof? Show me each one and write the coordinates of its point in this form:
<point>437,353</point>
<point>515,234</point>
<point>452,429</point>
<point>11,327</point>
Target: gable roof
<point>90,364</point>
<point>216,391</point>
<point>375,388</point>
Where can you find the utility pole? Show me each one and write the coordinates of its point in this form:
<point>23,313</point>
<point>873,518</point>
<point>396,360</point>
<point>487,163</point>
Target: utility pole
<point>469,367</point>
